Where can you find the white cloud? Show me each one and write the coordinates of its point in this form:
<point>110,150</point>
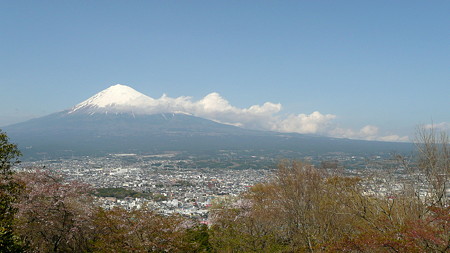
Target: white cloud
<point>266,117</point>
<point>306,124</point>
<point>443,126</point>
<point>367,132</point>
<point>394,137</point>
<point>216,108</point>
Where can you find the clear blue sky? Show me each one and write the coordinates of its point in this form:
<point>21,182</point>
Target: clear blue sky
<point>378,63</point>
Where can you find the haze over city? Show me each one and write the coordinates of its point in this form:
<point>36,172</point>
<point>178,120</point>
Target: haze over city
<point>352,69</point>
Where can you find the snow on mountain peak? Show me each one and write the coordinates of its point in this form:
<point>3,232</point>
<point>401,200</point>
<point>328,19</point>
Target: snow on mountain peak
<point>116,99</point>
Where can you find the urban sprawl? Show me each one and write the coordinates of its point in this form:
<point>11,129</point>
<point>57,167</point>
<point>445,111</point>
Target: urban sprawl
<point>173,185</point>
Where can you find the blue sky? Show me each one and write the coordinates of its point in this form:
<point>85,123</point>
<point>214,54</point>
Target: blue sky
<point>377,68</point>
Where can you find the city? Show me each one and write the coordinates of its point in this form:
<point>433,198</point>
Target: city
<point>170,184</point>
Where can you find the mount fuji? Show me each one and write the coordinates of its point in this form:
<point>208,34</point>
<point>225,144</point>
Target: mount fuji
<point>116,99</point>
<point>120,119</point>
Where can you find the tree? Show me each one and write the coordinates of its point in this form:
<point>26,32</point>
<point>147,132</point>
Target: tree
<point>238,225</point>
<point>434,164</point>
<point>120,230</point>
<point>303,209</point>
<point>299,209</point>
<point>10,189</point>
<point>9,155</point>
<point>198,239</point>
<point>54,215</point>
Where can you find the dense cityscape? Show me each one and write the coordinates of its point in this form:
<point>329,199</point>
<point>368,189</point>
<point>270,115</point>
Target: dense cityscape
<point>169,184</point>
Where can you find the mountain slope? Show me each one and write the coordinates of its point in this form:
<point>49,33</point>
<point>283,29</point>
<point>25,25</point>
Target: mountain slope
<point>120,119</point>
<point>88,134</point>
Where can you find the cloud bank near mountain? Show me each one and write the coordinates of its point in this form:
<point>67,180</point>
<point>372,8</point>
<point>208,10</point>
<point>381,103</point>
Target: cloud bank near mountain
<point>267,116</point>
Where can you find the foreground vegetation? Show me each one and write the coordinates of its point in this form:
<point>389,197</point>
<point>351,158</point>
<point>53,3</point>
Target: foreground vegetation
<point>300,209</point>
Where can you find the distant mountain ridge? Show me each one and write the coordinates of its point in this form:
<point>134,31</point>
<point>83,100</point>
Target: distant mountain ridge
<point>120,119</point>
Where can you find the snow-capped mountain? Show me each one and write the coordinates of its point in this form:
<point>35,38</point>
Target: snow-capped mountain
<point>121,119</point>
<point>116,99</point>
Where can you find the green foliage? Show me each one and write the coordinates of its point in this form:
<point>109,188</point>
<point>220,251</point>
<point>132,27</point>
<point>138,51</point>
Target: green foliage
<point>159,197</point>
<point>183,183</point>
<point>9,154</point>
<point>10,189</point>
<point>198,237</point>
<point>9,193</point>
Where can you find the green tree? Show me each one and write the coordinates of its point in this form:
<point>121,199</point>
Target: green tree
<point>9,155</point>
<point>198,239</point>
<point>10,189</point>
